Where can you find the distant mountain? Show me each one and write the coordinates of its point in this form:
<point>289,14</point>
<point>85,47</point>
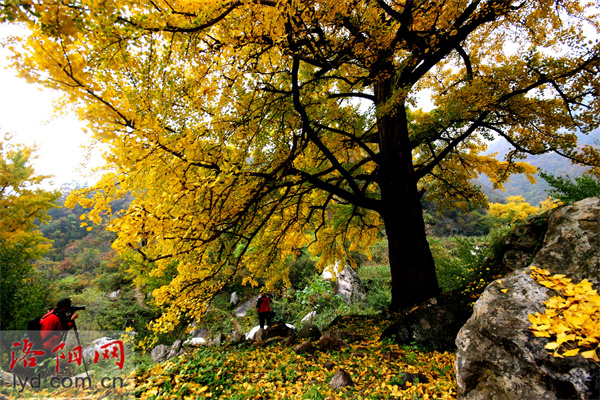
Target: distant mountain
<point>551,163</point>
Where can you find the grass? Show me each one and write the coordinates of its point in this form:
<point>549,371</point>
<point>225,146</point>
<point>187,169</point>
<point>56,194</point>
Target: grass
<point>274,371</point>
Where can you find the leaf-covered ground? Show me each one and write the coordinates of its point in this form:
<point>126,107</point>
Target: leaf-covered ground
<point>275,371</point>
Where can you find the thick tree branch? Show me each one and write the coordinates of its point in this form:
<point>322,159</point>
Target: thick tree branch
<point>312,135</point>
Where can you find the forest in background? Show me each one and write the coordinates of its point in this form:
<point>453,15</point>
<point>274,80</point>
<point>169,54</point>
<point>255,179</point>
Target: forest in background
<point>551,163</point>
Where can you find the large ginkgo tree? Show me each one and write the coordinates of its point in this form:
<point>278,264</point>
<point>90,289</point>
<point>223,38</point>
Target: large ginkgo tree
<point>248,130</point>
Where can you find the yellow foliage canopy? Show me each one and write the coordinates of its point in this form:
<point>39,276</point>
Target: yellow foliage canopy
<point>517,209</point>
<point>23,203</point>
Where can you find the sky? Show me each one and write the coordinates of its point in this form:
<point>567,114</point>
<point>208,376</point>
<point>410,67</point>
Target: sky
<point>26,112</point>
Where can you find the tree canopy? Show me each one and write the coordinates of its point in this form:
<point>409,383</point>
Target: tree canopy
<point>23,205</point>
<point>247,130</point>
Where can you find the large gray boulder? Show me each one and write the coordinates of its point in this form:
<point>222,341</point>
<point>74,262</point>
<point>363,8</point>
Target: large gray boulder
<point>572,242</point>
<point>347,283</point>
<point>520,246</point>
<point>497,355</point>
<point>243,308</point>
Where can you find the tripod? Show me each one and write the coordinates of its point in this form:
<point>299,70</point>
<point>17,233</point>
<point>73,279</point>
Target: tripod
<point>78,342</point>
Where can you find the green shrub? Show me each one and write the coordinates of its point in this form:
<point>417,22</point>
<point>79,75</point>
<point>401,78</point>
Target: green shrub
<point>302,269</point>
<point>570,191</point>
<point>23,292</point>
<point>318,295</point>
<point>461,260</point>
<point>379,298</point>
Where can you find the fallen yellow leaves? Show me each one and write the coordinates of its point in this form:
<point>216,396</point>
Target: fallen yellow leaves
<point>572,317</point>
<point>275,371</point>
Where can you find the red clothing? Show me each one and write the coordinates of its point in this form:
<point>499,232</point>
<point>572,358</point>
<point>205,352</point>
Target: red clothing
<point>263,305</point>
<point>52,330</point>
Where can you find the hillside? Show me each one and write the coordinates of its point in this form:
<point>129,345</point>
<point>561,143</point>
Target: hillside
<point>551,163</point>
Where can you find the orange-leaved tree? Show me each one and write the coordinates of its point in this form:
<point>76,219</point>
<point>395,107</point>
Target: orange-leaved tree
<point>249,129</point>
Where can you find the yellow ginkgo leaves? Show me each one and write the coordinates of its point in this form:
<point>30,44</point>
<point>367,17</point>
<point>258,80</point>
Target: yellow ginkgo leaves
<point>275,371</point>
<point>572,317</point>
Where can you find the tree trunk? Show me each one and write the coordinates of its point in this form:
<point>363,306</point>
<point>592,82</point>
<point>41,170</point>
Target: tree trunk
<point>412,268</point>
<point>411,263</point>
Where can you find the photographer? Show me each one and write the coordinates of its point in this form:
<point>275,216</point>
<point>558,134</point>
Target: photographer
<point>56,322</point>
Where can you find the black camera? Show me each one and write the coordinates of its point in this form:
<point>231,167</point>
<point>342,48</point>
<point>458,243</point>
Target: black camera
<point>76,308</point>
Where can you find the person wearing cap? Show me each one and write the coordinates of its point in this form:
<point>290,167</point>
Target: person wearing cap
<point>54,323</point>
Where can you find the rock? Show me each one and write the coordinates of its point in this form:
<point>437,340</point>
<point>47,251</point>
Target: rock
<point>6,378</point>
<point>519,247</point>
<point>341,379</point>
<point>243,308</point>
<point>329,365</point>
<point>236,337</point>
<point>281,331</point>
<point>159,353</point>
<point>252,333</point>
<point>163,352</point>
<point>347,283</point>
<point>278,330</point>
<point>309,331</point>
<point>305,348</point>
<point>309,317</point>
<point>290,340</point>
<point>176,346</point>
<point>175,349</point>
<point>219,339</point>
<point>328,343</point>
<point>413,378</point>
<point>259,336</point>
<point>572,242</point>
<point>434,324</point>
<point>497,355</point>
<point>234,298</point>
<point>199,333</point>
<point>196,341</point>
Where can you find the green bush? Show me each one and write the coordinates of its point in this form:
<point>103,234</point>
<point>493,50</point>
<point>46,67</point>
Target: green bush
<point>24,293</point>
<point>379,298</point>
<point>461,260</point>
<point>377,280</point>
<point>570,191</point>
<point>318,295</point>
<point>302,269</point>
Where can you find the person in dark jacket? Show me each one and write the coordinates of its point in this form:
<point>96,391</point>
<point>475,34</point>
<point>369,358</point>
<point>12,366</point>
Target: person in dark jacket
<point>55,323</point>
<point>263,308</point>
